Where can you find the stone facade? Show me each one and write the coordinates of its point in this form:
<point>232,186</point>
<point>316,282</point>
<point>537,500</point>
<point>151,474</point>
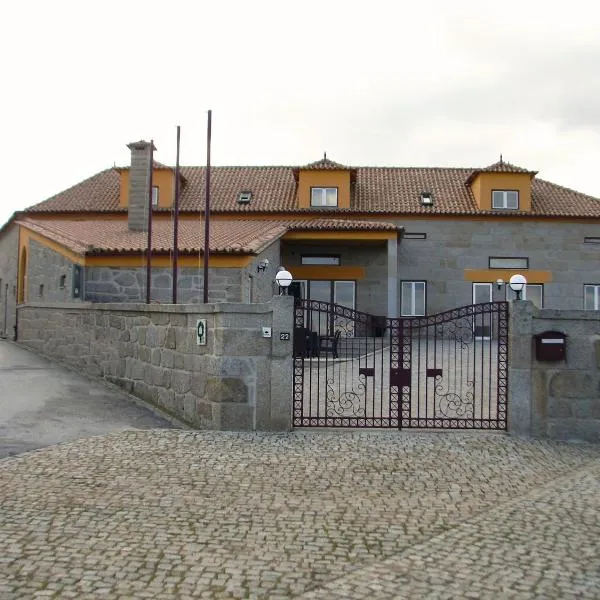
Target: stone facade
<point>9,242</point>
<point>454,245</point>
<point>239,380</point>
<point>559,400</point>
<point>49,275</point>
<point>106,284</point>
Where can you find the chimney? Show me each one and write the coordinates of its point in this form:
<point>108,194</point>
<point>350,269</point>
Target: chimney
<point>138,185</point>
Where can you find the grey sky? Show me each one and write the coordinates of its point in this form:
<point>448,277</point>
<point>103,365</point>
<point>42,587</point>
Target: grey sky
<point>373,83</point>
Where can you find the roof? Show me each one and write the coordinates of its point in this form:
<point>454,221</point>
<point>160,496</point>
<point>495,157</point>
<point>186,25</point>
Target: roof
<point>377,190</point>
<point>500,167</point>
<point>109,236</point>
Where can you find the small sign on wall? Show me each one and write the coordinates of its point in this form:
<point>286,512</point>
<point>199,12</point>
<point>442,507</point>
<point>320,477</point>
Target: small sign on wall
<point>201,332</point>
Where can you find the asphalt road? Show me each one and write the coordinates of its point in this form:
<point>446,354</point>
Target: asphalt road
<point>42,403</point>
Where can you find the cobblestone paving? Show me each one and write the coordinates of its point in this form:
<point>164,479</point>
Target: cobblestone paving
<point>161,514</point>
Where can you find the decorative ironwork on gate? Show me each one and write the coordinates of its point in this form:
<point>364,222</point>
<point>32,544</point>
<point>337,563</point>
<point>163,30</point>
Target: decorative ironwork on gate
<point>447,370</point>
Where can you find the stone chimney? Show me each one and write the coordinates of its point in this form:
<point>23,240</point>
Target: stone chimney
<point>138,185</point>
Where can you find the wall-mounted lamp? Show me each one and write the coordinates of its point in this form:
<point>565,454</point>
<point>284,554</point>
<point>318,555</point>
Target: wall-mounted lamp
<point>262,265</point>
<point>499,283</point>
<point>284,280</point>
<point>517,283</point>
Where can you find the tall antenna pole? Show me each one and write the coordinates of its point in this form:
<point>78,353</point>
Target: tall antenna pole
<point>176,221</point>
<point>149,253</point>
<point>207,209</point>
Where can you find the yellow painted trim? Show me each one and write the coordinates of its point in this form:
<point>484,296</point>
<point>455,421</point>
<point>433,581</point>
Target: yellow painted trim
<point>28,235</point>
<point>340,235</point>
<point>326,272</point>
<point>492,275</point>
<point>139,260</point>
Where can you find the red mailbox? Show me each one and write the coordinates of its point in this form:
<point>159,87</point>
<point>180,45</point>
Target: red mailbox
<point>550,346</point>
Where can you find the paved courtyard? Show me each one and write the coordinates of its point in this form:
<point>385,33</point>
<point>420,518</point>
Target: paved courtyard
<point>325,514</point>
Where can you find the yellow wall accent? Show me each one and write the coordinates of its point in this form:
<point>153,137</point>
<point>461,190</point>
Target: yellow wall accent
<point>340,235</point>
<point>163,178</point>
<point>309,178</point>
<point>485,182</point>
<point>326,272</point>
<point>492,275</point>
<point>26,234</point>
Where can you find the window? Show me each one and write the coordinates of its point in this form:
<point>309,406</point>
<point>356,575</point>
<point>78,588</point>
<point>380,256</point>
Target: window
<point>154,195</point>
<point>245,197</point>
<point>408,235</point>
<point>426,198</point>
<point>413,298</point>
<point>41,290</point>
<point>505,199</point>
<point>323,196</point>
<point>321,260</point>
<point>591,240</point>
<point>509,262</point>
<point>62,282</point>
<point>591,296</point>
<point>531,291</point>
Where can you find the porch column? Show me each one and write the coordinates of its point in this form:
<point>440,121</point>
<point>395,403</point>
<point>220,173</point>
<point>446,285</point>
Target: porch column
<point>392,270</point>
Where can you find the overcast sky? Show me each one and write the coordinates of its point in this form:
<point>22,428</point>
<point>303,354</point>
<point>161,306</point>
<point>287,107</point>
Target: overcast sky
<point>430,83</point>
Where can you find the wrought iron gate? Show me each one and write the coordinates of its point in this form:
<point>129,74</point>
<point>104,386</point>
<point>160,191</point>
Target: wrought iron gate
<point>448,370</point>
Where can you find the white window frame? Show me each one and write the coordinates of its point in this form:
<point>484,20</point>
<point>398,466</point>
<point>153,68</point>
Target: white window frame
<point>596,288</point>
<point>510,295</point>
<point>414,312</point>
<point>503,196</point>
<point>155,193</point>
<point>318,196</point>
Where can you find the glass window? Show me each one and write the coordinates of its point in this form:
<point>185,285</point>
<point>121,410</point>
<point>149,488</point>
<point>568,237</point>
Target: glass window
<point>531,291</point>
<point>154,195</point>
<point>323,196</point>
<point>321,260</point>
<point>413,299</point>
<point>505,199</point>
<point>591,296</point>
<point>496,262</point>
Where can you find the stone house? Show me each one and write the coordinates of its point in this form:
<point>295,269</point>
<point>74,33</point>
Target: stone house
<point>386,241</point>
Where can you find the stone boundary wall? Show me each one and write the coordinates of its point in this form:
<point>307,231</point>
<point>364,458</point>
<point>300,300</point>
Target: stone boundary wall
<point>558,400</point>
<point>239,380</point>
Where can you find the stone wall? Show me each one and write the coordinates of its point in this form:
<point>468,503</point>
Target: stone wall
<point>260,286</point>
<point>559,400</point>
<point>453,245</point>
<point>239,380</point>
<point>9,241</point>
<point>47,268</point>
<point>107,284</point>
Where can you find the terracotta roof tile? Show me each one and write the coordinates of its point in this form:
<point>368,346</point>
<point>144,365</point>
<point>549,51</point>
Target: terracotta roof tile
<point>229,237</point>
<point>341,225</point>
<point>324,165</point>
<point>500,167</point>
<point>377,190</point>
<point>108,236</point>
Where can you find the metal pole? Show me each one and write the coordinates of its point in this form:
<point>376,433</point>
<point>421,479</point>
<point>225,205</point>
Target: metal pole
<point>176,221</point>
<point>149,253</point>
<point>207,209</point>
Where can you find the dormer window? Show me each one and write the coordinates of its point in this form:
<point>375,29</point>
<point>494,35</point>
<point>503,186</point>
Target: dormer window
<point>426,198</point>
<point>244,197</point>
<point>154,195</point>
<point>508,199</point>
<point>321,196</point>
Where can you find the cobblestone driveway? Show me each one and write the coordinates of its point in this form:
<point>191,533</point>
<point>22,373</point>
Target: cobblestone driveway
<point>161,514</point>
